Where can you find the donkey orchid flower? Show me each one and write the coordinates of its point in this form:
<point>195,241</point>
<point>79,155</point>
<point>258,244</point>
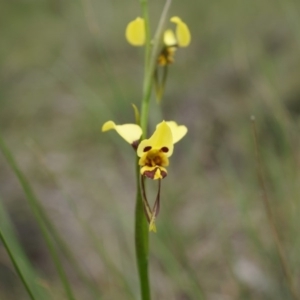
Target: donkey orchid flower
<point>154,155</point>
<point>181,38</point>
<point>135,35</point>
<point>154,152</point>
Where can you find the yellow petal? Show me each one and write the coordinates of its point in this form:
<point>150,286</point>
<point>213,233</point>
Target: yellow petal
<point>161,139</point>
<point>169,38</point>
<point>135,32</point>
<point>154,172</point>
<point>183,34</point>
<point>129,132</point>
<point>178,131</point>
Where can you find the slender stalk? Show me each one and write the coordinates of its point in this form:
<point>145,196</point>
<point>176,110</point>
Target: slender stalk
<point>141,225</point>
<point>16,265</point>
<point>141,240</point>
<point>148,80</point>
<point>271,219</point>
<point>34,204</point>
<point>144,6</point>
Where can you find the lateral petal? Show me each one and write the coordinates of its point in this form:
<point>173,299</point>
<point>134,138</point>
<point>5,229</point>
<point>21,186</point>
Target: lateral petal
<point>129,132</point>
<point>183,34</point>
<point>135,32</point>
<point>178,131</point>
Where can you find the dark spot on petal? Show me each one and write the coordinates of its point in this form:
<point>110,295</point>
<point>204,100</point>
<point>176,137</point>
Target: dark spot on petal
<point>146,149</point>
<point>151,174</point>
<point>165,149</point>
<point>163,173</point>
<point>135,144</point>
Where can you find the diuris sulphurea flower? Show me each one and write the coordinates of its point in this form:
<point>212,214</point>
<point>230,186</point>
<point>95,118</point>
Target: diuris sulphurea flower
<point>154,155</point>
<point>154,152</point>
<point>135,35</point>
<point>171,41</point>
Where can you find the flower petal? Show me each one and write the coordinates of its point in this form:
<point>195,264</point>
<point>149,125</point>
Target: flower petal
<point>135,32</point>
<point>129,132</point>
<point>178,131</point>
<point>161,139</point>
<point>154,172</point>
<point>183,34</point>
<point>169,38</point>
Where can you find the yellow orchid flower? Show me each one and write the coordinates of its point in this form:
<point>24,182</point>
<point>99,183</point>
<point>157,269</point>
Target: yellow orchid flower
<point>153,152</point>
<point>135,33</point>
<point>181,37</point>
<point>154,155</point>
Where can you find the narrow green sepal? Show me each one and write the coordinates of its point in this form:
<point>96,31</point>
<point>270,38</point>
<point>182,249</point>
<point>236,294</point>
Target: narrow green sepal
<point>136,114</point>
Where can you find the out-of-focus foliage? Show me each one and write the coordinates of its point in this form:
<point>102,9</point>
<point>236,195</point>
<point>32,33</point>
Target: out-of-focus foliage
<point>66,68</point>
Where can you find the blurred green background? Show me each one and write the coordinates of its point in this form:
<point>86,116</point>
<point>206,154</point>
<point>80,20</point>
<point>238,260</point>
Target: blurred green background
<point>66,68</point>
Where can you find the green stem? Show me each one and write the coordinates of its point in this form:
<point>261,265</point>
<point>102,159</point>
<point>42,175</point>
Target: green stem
<point>16,265</point>
<point>141,225</point>
<point>141,241</point>
<point>148,80</point>
<point>144,5</point>
<point>34,204</point>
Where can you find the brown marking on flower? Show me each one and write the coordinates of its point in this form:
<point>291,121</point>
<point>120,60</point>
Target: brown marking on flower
<point>135,144</point>
<point>166,56</point>
<point>163,173</point>
<point>151,174</point>
<point>153,161</point>
<point>157,161</point>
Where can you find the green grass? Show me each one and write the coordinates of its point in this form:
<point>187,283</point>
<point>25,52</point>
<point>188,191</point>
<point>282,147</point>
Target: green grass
<point>60,81</point>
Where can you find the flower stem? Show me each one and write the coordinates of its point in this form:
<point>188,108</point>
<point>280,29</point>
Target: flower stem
<point>141,240</point>
<point>144,6</point>
<point>151,61</point>
<point>141,225</point>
